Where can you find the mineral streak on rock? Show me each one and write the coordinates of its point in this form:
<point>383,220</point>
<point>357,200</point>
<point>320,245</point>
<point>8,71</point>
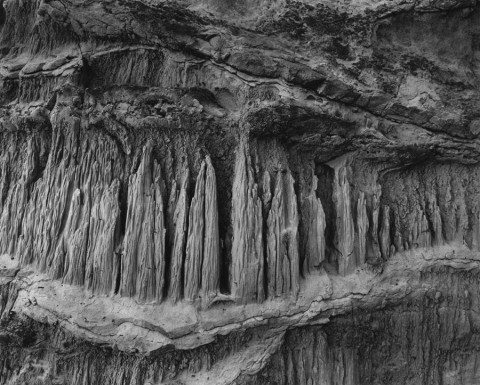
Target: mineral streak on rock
<point>247,274</point>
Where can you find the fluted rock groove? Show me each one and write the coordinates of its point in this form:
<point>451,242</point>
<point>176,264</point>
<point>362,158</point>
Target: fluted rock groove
<point>202,261</point>
<point>180,202</point>
<point>282,239</point>
<point>315,223</point>
<point>143,260</point>
<point>239,192</point>
<point>362,228</point>
<point>247,277</point>
<point>344,236</point>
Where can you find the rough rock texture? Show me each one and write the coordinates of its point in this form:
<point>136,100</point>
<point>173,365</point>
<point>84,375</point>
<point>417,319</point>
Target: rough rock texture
<point>239,192</point>
<point>248,260</point>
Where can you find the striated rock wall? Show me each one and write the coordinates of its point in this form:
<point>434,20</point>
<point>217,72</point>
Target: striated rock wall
<point>239,192</point>
<point>73,222</point>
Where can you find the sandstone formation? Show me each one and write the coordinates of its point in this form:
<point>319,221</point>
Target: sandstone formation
<point>247,278</point>
<point>239,192</point>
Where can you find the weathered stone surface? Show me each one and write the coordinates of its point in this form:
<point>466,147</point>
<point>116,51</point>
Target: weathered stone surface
<point>315,223</point>
<point>344,229</point>
<point>180,201</point>
<point>202,261</point>
<point>143,260</point>
<point>247,275</point>
<point>283,259</point>
<point>362,228</point>
<point>239,192</point>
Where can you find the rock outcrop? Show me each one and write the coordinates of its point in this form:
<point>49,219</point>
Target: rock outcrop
<point>202,261</point>
<point>239,192</point>
<point>315,224</point>
<point>143,260</point>
<point>248,259</point>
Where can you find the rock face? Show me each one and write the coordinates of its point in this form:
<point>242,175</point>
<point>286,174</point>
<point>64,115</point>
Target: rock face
<point>248,260</point>
<point>239,192</point>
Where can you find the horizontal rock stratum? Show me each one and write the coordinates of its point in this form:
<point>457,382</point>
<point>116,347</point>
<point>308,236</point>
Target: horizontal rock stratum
<point>239,192</point>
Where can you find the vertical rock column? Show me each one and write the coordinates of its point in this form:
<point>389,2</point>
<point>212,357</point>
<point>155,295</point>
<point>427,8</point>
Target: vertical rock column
<point>71,252</point>
<point>384,235</point>
<point>420,235</point>
<point>4,177</point>
<point>475,242</point>
<point>202,261</point>
<point>196,232</point>
<point>247,283</point>
<point>68,220</point>
<point>85,248</point>
<point>14,207</point>
<point>143,261</point>
<point>362,228</point>
<point>282,239</point>
<point>53,196</point>
<point>102,261</point>
<point>344,236</point>
<point>314,222</point>
<point>436,224</point>
<point>211,244</point>
<point>180,217</point>
<point>374,256</point>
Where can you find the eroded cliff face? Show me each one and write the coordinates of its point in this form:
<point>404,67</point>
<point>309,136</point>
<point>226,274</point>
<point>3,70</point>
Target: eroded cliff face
<point>239,192</point>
